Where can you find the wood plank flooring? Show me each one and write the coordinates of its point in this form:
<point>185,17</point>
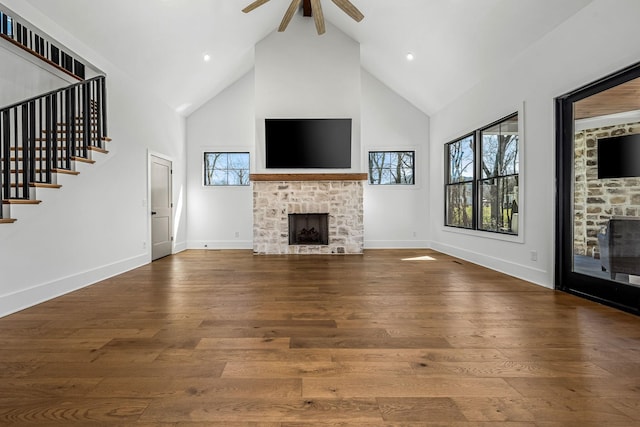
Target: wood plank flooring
<point>389,338</point>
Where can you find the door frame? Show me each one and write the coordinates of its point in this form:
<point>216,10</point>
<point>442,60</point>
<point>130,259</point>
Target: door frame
<point>149,246</point>
<point>607,292</point>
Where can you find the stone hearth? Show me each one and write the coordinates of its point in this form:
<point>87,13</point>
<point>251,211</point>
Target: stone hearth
<point>277,196</point>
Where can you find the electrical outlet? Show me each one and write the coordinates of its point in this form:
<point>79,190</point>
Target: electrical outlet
<point>534,255</point>
<point>206,246</point>
<point>144,245</point>
<point>237,234</point>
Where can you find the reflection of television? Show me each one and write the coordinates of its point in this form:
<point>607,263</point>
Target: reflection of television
<point>308,143</point>
<point>619,156</point>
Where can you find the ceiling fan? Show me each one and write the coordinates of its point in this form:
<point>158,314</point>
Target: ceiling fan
<point>309,6</point>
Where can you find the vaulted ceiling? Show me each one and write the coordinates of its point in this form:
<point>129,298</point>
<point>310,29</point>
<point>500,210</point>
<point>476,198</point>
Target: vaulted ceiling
<point>456,43</point>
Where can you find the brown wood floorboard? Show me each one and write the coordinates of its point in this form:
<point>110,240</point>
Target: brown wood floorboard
<point>389,338</point>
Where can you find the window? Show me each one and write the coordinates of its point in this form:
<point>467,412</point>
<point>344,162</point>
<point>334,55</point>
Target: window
<point>391,167</point>
<point>482,179</point>
<point>226,169</point>
<point>6,24</point>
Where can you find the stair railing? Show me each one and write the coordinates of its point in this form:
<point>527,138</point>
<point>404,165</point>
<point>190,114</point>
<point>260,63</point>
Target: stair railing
<point>45,134</point>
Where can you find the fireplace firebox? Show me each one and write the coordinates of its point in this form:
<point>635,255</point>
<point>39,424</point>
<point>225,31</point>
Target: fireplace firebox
<point>309,229</point>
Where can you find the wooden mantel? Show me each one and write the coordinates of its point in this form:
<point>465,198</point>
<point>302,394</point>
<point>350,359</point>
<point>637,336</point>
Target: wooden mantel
<point>308,177</point>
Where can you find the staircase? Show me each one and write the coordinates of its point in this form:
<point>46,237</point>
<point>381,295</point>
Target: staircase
<point>46,136</point>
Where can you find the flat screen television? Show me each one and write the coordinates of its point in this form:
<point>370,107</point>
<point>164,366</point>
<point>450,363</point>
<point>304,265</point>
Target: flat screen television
<point>619,156</point>
<point>308,143</point>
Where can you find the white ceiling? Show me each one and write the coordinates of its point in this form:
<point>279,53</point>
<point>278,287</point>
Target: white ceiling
<point>456,43</point>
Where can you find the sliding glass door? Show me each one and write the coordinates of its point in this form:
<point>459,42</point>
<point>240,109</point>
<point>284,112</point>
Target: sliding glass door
<point>598,175</point>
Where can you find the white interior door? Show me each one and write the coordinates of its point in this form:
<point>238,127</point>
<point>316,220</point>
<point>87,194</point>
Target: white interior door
<point>161,208</point>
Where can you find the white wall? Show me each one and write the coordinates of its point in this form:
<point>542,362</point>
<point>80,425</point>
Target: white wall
<point>598,40</point>
<point>394,216</point>
<point>221,217</point>
<point>97,225</point>
<point>301,75</point>
<point>23,76</point>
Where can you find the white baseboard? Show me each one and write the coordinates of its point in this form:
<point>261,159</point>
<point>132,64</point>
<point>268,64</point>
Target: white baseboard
<point>530,274</point>
<point>397,244</point>
<point>179,247</point>
<point>220,244</point>
<point>17,301</point>
<point>248,244</point>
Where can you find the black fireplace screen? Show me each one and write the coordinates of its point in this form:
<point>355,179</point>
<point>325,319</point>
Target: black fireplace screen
<point>309,229</point>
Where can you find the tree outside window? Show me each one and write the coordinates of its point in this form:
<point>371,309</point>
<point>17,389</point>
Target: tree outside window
<point>391,167</point>
<point>226,169</point>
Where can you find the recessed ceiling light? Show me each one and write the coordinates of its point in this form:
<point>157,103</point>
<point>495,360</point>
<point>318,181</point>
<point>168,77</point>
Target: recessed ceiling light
<point>410,56</point>
<point>206,57</point>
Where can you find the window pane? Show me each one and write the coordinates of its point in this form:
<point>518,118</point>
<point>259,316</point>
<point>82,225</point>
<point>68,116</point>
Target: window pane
<point>461,160</point>
<point>391,167</point>
<point>499,198</point>
<point>500,149</point>
<point>238,160</point>
<point>219,177</point>
<point>459,205</point>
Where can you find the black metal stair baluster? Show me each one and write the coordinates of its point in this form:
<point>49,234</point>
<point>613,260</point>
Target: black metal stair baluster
<point>66,141</point>
<point>6,152</point>
<point>86,117</point>
<point>40,138</point>
<point>50,126</point>
<point>31,141</point>
<point>17,155</point>
<point>2,162</point>
<point>24,148</point>
<point>72,147</point>
<point>102,117</point>
<point>56,108</point>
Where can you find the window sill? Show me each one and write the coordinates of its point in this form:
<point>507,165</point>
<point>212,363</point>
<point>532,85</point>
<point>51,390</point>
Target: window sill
<point>486,234</point>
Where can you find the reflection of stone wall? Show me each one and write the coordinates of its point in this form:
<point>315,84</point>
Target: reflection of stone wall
<point>597,200</point>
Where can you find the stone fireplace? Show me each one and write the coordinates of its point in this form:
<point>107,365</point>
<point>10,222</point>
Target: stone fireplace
<point>314,200</point>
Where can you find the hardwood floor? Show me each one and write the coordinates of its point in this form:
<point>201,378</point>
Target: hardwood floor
<point>225,338</point>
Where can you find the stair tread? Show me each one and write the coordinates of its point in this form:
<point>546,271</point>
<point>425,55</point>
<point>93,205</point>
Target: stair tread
<point>7,220</point>
<point>37,185</point>
<point>98,150</point>
<point>65,171</point>
<point>44,185</point>
<point>83,159</point>
<point>21,202</point>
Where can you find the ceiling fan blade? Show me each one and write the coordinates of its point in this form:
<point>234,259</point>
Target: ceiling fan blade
<point>349,9</point>
<point>293,7</point>
<point>318,16</point>
<point>254,5</point>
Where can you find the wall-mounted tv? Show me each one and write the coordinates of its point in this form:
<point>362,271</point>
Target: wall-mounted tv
<point>308,143</point>
<point>619,156</point>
